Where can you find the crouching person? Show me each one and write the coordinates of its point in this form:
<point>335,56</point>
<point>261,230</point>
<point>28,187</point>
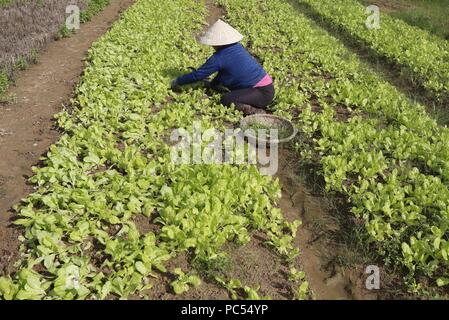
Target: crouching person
<point>251,87</point>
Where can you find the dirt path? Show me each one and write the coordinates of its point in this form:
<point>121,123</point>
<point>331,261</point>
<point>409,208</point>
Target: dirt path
<point>320,254</point>
<point>215,12</point>
<point>26,126</point>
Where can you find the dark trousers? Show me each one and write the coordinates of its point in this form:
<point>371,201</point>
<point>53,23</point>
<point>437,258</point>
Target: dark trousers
<point>256,97</point>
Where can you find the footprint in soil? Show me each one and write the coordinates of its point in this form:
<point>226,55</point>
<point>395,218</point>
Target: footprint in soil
<point>2,193</point>
<point>4,133</point>
<point>5,179</point>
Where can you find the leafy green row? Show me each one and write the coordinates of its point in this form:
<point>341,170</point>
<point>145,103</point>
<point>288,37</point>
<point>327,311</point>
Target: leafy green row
<point>5,2</point>
<point>93,8</point>
<point>424,56</point>
<point>112,165</point>
<point>384,153</point>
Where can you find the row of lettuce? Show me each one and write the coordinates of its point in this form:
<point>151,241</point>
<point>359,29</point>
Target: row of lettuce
<point>384,153</point>
<point>423,56</point>
<point>112,165</point>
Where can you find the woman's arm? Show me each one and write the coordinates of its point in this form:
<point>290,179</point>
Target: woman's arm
<point>210,67</point>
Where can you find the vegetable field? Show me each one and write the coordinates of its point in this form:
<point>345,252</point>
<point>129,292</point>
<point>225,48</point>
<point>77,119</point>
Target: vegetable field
<point>111,213</point>
<point>423,56</point>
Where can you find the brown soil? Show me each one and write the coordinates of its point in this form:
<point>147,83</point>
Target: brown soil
<point>162,289</point>
<point>215,12</point>
<point>257,265</point>
<point>26,126</point>
<point>254,265</point>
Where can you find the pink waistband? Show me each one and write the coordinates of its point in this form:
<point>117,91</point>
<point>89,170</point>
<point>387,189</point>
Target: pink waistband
<point>264,82</point>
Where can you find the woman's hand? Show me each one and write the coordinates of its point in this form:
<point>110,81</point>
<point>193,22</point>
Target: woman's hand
<point>174,84</point>
<point>207,84</point>
<point>211,85</point>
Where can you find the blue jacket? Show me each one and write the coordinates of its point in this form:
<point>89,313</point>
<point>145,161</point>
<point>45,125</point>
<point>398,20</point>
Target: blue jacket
<point>236,68</point>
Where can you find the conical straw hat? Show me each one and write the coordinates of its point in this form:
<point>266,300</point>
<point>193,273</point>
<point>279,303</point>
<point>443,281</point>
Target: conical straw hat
<point>220,34</point>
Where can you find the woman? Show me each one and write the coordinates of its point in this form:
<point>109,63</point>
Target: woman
<point>251,88</point>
